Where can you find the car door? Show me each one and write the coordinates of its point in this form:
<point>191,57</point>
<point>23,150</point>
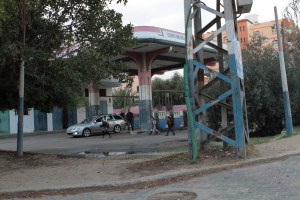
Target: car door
<point>119,120</point>
<point>95,126</point>
<point>111,121</point>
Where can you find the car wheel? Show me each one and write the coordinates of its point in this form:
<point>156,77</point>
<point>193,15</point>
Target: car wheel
<point>117,128</point>
<point>86,132</point>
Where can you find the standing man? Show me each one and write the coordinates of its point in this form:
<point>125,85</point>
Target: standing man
<point>130,120</point>
<point>170,123</point>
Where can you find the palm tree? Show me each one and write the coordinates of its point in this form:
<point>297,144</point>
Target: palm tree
<point>124,98</point>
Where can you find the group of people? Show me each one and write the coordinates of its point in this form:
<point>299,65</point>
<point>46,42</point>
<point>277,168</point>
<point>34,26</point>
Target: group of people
<point>130,123</point>
<point>170,124</point>
<point>129,120</point>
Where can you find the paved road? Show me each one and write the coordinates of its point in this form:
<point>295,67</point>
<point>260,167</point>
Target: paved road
<point>273,181</point>
<point>61,143</point>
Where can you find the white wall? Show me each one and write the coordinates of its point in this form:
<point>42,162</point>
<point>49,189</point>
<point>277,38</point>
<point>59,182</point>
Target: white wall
<point>28,122</point>
<point>49,122</point>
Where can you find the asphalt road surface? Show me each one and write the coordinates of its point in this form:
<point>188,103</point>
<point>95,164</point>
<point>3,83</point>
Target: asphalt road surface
<point>61,143</point>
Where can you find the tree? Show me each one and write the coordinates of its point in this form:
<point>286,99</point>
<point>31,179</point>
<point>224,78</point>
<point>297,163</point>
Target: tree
<point>69,44</point>
<point>292,35</point>
<point>263,89</point>
<point>292,11</point>
<point>293,74</point>
<point>172,94</point>
<point>124,98</point>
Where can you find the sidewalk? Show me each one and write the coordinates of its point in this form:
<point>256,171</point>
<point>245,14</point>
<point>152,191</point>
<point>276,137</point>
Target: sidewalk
<point>146,181</point>
<point>91,175</point>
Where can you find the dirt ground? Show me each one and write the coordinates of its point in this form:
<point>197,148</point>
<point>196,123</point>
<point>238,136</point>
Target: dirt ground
<point>33,171</point>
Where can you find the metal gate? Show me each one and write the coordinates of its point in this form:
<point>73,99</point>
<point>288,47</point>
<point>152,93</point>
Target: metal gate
<point>4,121</point>
<point>40,120</point>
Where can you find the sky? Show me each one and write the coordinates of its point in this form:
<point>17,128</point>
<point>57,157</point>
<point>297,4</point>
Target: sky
<point>169,14</point>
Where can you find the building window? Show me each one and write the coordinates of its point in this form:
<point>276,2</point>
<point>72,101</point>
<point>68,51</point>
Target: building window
<point>102,92</point>
<point>86,92</point>
<point>137,89</point>
<point>240,28</point>
<point>244,40</point>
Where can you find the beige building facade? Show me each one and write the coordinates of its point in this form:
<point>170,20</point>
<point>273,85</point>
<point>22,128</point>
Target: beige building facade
<point>266,30</point>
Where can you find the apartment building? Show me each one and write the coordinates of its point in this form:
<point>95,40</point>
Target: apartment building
<point>249,27</point>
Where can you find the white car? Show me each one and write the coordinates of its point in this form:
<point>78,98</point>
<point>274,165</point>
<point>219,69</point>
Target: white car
<point>92,125</point>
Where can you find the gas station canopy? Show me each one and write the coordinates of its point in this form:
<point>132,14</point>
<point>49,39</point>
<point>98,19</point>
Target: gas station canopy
<point>150,39</point>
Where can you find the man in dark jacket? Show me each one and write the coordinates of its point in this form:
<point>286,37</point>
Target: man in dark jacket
<point>170,123</point>
<point>130,120</point>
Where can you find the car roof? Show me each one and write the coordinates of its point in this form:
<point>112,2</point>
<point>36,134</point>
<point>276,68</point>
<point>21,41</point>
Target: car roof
<point>95,117</point>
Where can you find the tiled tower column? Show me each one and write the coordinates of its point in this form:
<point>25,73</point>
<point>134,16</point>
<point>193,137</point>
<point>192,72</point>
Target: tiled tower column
<point>93,101</point>
<point>145,92</point>
<point>144,63</point>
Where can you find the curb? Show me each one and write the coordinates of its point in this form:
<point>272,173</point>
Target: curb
<point>11,135</point>
<point>142,181</point>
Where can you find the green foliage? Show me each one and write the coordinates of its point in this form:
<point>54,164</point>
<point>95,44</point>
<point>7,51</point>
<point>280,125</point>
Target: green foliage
<point>293,73</point>
<point>124,98</point>
<point>263,86</point>
<point>263,89</point>
<point>173,94</point>
<point>214,112</point>
<point>68,44</point>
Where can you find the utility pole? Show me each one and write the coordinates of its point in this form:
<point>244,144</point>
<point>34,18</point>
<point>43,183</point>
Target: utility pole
<point>21,87</point>
<point>286,99</point>
<point>189,86</point>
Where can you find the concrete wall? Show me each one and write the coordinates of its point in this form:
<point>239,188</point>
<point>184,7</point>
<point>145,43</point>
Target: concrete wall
<point>49,122</point>
<point>28,123</point>
<point>94,99</point>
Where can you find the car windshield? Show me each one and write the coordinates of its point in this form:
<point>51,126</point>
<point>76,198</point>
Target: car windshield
<point>88,120</point>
